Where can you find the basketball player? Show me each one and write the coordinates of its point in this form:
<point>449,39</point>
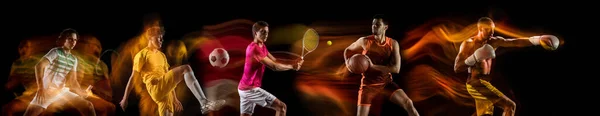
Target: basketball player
<point>257,57</point>
<point>56,75</point>
<point>151,64</point>
<point>475,56</point>
<point>384,55</point>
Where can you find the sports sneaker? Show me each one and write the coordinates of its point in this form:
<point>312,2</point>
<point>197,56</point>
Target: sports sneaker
<point>209,106</point>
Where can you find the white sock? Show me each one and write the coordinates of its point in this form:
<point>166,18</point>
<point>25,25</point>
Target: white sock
<point>194,86</point>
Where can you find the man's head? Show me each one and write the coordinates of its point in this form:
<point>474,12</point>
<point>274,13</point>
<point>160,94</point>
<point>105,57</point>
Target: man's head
<point>155,36</point>
<point>380,24</point>
<point>25,48</point>
<point>485,26</point>
<point>89,46</point>
<point>68,38</point>
<point>260,31</point>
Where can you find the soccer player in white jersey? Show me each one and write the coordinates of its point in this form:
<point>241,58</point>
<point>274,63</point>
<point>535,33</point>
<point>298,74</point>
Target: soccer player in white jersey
<point>57,81</point>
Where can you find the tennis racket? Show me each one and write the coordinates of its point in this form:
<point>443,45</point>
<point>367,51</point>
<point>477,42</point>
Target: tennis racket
<point>310,41</point>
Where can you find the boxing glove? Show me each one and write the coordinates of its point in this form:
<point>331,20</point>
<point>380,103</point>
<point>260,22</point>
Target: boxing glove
<point>549,42</point>
<point>482,53</point>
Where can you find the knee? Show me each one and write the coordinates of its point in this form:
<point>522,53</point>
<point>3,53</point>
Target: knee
<point>407,101</point>
<point>510,105</point>
<point>281,106</point>
<point>186,68</point>
<point>401,97</point>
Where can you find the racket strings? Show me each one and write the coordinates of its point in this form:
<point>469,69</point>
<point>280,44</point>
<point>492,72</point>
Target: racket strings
<point>310,41</point>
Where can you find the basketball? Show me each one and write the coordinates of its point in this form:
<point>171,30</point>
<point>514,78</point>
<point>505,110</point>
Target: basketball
<point>219,57</point>
<point>358,63</point>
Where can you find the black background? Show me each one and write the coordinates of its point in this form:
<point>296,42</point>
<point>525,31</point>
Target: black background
<point>542,81</point>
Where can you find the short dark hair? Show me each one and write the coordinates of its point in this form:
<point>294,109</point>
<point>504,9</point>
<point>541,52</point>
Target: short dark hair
<point>64,34</point>
<point>258,25</point>
<point>382,17</point>
<point>486,20</point>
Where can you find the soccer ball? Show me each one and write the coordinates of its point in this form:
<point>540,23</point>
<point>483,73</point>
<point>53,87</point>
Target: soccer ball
<point>219,57</point>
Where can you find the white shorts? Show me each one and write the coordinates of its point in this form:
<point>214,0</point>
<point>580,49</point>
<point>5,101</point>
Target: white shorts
<point>253,97</point>
<point>53,95</point>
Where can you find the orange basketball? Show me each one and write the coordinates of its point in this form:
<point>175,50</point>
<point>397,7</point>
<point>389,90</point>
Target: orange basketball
<point>358,63</point>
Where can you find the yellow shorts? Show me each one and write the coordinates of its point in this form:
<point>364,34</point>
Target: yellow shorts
<point>485,96</point>
<point>161,92</point>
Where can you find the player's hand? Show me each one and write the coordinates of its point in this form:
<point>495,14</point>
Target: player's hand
<point>41,94</point>
<point>88,92</point>
<point>154,81</point>
<point>299,64</point>
<point>177,105</point>
<point>123,103</point>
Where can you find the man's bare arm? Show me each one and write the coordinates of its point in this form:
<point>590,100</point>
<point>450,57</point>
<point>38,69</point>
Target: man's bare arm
<point>13,81</point>
<point>39,72</point>
<point>267,61</point>
<point>75,84</point>
<point>354,48</point>
<point>272,57</point>
<point>511,42</point>
<point>459,62</point>
<point>550,42</point>
<point>128,87</point>
<point>274,65</point>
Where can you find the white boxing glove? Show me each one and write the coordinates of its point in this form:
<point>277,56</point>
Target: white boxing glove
<point>485,52</point>
<point>549,42</point>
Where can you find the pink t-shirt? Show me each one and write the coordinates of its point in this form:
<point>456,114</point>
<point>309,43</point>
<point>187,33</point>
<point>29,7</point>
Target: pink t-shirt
<point>253,69</point>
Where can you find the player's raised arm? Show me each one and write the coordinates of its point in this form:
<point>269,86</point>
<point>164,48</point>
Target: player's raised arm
<point>550,42</point>
<point>395,62</point>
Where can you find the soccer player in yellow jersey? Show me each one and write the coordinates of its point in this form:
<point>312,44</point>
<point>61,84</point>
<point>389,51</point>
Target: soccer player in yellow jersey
<point>151,64</point>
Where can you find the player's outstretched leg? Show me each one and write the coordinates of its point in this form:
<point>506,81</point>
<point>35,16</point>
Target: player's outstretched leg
<point>185,73</point>
<point>400,98</point>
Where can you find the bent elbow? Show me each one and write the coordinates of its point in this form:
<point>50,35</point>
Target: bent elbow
<point>456,69</point>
